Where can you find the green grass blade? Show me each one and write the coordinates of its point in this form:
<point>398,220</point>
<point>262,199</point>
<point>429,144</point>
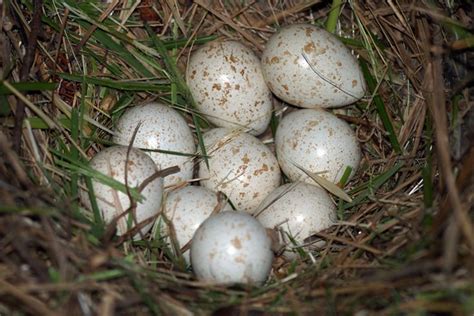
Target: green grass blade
<point>170,65</point>
<point>92,198</point>
<point>274,121</point>
<point>102,275</point>
<point>368,188</point>
<point>178,43</point>
<point>351,42</point>
<point>113,68</point>
<point>380,106</point>
<point>153,86</point>
<point>37,122</point>
<point>85,170</point>
<point>331,22</point>
<point>177,78</point>
<point>345,176</point>
<point>75,132</point>
<point>28,87</point>
<point>121,51</point>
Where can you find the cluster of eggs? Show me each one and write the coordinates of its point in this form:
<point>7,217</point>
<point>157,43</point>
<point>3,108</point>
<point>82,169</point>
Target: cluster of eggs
<point>302,65</point>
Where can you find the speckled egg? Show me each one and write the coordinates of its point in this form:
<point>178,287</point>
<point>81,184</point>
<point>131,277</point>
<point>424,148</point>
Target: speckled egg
<point>231,247</point>
<point>309,67</point>
<point>317,141</point>
<point>160,128</point>
<point>112,162</point>
<point>240,166</point>
<point>186,208</point>
<point>298,210</point>
<point>225,79</point>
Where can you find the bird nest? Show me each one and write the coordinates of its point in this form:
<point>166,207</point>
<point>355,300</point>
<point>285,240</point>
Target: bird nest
<point>403,244</point>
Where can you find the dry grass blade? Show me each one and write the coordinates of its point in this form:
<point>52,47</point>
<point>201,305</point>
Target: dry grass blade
<point>277,17</point>
<point>349,242</point>
<point>32,106</point>
<point>328,185</point>
<point>91,30</point>
<point>437,104</point>
<point>35,305</point>
<point>248,36</point>
<point>261,208</point>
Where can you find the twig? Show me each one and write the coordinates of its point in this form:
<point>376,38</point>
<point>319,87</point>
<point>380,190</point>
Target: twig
<point>25,70</point>
<point>34,304</point>
<point>436,102</point>
<point>293,10</point>
<point>91,30</point>
<point>227,20</point>
<point>233,16</point>
<point>464,180</point>
<point>349,242</point>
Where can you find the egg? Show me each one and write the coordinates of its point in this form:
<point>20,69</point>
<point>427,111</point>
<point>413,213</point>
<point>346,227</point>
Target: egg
<point>318,142</point>
<point>226,80</point>
<point>240,166</point>
<point>186,208</point>
<point>306,66</point>
<point>298,210</point>
<point>231,247</point>
<point>112,162</point>
<point>160,128</point>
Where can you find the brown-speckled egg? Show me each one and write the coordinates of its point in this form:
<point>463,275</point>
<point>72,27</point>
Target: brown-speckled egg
<point>240,166</point>
<point>317,141</point>
<point>186,208</point>
<point>160,128</point>
<point>225,79</point>
<point>231,247</point>
<point>297,210</point>
<point>112,162</point>
<point>307,66</point>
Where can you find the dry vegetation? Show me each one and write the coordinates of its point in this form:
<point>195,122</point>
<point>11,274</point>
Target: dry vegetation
<point>404,245</point>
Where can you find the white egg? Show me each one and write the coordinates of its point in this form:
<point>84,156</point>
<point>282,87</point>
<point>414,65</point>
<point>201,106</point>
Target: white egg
<point>298,210</point>
<point>162,128</point>
<point>186,208</point>
<point>112,162</point>
<point>317,141</point>
<point>231,247</point>
<point>240,166</point>
<point>226,80</point>
<point>309,67</point>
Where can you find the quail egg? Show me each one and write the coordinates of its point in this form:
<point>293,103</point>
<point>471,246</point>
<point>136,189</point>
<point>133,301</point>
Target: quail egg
<point>308,67</point>
<point>231,247</point>
<point>226,80</point>
<point>113,162</point>
<point>159,128</point>
<point>186,208</point>
<point>316,141</point>
<point>240,166</point>
<point>298,210</point>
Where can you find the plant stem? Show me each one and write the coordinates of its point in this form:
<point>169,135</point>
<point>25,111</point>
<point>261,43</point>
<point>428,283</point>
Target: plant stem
<point>333,16</point>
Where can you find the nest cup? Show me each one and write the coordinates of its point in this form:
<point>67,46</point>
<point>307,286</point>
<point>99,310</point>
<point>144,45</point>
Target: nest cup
<point>397,235</point>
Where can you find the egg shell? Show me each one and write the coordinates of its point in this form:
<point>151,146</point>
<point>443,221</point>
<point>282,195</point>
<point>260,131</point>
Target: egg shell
<point>231,247</point>
<point>299,209</point>
<point>161,127</point>
<point>112,162</point>
<point>306,66</point>
<point>240,166</point>
<point>317,141</point>
<point>187,208</point>
<point>226,80</point>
